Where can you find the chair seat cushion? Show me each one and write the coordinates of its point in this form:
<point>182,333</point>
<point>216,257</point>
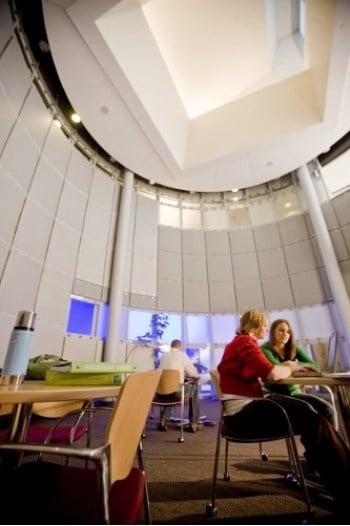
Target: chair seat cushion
<point>60,435</point>
<point>264,435</point>
<point>171,398</point>
<point>39,433</point>
<point>126,498</point>
<point>51,493</point>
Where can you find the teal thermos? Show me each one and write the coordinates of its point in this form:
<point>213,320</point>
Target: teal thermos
<point>18,351</point>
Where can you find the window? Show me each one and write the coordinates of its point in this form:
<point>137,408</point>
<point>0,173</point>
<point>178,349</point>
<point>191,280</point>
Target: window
<point>81,317</point>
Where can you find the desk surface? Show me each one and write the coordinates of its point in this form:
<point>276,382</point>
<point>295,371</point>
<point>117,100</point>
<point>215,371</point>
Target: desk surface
<point>37,391</point>
<point>315,380</point>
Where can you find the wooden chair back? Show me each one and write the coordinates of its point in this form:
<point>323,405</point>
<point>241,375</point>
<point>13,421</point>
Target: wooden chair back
<point>127,421</point>
<point>6,409</point>
<point>169,382</point>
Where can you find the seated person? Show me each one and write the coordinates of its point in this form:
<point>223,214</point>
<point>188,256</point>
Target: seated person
<point>281,349</point>
<point>241,368</point>
<point>177,359</point>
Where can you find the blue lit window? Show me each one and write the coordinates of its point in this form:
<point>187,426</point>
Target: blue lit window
<point>103,321</point>
<point>81,317</point>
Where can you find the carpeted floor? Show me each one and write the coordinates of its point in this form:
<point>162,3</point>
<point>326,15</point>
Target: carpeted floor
<point>180,480</point>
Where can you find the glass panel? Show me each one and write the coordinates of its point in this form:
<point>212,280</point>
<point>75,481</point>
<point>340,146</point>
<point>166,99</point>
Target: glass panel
<point>205,359</point>
<point>336,174</point>
<point>197,329</point>
<point>191,219</point>
<point>103,321</point>
<point>238,217</point>
<point>165,328</point>
<point>174,329</point>
<point>217,355</point>
<point>215,219</point>
<point>138,324</point>
<point>286,204</point>
<point>169,215</point>
<point>145,192</point>
<point>261,211</point>
<point>224,327</point>
<point>81,317</point>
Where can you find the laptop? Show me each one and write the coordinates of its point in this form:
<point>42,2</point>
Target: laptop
<point>330,369</point>
<point>306,374</point>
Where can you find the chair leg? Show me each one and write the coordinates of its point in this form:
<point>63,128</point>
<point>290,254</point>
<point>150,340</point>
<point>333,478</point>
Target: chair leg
<point>227,475</point>
<point>181,438</point>
<point>146,503</point>
<point>211,509</point>
<point>297,469</point>
<point>263,455</point>
<point>331,395</point>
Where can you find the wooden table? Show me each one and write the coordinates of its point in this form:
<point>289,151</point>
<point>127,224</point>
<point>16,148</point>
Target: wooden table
<point>340,386</point>
<point>316,380</point>
<point>24,395</point>
<point>38,391</point>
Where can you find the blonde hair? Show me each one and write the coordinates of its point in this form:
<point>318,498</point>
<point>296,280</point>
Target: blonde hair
<point>252,320</point>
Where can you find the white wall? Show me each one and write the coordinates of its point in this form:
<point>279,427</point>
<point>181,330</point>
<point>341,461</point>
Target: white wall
<point>58,215</point>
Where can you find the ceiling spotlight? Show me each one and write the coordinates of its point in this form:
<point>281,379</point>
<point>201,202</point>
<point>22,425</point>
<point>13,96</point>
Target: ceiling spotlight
<point>75,118</point>
<point>57,123</point>
<point>235,190</point>
<point>44,46</point>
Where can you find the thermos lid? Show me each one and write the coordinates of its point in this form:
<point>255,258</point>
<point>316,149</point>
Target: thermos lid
<point>26,319</point>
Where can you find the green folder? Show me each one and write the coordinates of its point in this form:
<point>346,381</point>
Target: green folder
<point>67,378</point>
<point>76,366</point>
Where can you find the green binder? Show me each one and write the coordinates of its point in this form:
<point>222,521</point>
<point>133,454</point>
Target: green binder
<point>67,378</point>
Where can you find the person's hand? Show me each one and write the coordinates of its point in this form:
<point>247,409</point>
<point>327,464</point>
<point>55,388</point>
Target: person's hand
<point>294,366</point>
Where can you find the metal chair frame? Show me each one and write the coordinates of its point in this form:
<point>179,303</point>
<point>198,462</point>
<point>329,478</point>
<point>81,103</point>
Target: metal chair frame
<point>115,457</point>
<point>288,435</point>
<point>169,384</point>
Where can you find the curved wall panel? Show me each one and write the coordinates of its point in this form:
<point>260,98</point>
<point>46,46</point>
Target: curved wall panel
<point>58,221</point>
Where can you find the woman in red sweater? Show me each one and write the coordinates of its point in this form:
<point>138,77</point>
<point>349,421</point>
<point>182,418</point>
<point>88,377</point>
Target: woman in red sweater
<point>242,369</point>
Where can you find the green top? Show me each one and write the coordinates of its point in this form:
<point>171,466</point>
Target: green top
<point>301,357</point>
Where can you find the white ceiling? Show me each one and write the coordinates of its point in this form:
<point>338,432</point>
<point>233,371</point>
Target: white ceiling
<point>205,95</point>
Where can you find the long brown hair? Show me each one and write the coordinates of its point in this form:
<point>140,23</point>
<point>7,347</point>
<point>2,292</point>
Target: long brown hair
<point>251,320</point>
<point>290,346</point>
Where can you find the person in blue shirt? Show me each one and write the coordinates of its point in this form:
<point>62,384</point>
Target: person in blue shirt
<point>281,349</point>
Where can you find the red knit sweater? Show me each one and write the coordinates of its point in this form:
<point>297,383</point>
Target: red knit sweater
<point>241,366</point>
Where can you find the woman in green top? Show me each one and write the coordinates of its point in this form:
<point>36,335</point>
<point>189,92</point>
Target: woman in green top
<point>281,349</point>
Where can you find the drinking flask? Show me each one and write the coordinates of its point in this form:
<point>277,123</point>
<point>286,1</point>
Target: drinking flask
<point>18,351</point>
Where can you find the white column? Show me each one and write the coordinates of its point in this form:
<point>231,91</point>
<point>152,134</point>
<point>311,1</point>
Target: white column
<point>112,350</point>
<point>334,275</point>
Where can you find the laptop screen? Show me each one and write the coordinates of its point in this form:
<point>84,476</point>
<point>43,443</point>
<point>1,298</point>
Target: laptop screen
<point>332,355</point>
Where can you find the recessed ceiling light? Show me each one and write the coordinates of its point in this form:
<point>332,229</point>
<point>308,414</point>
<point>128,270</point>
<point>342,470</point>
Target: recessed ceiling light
<point>57,123</point>
<point>75,118</point>
<point>288,204</point>
<point>234,190</point>
<point>44,46</point>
